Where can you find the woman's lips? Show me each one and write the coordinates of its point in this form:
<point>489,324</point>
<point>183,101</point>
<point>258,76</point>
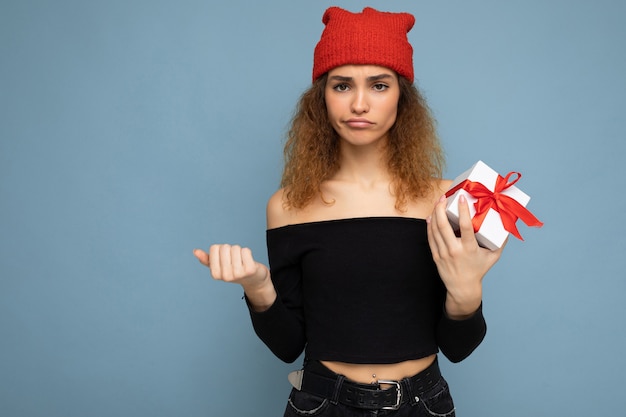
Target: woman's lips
<point>358,123</point>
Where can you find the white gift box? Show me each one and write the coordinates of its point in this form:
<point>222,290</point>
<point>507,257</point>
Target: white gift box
<point>492,233</point>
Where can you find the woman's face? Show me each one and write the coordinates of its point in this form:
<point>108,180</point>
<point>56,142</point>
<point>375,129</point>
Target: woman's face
<point>362,102</point>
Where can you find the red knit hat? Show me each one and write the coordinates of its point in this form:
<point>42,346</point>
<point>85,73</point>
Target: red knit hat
<point>369,38</point>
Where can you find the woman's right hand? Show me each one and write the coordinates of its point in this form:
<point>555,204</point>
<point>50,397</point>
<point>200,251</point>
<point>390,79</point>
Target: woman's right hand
<point>232,263</point>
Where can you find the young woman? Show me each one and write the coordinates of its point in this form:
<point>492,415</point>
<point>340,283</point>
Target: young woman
<point>367,276</point>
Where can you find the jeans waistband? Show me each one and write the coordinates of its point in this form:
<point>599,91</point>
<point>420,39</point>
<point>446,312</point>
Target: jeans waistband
<point>321,381</point>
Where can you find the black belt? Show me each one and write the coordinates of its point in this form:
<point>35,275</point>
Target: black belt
<point>337,388</point>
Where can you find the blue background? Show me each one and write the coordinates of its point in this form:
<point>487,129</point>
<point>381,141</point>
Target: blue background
<point>134,131</point>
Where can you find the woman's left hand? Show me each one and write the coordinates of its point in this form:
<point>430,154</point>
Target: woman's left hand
<point>461,262</point>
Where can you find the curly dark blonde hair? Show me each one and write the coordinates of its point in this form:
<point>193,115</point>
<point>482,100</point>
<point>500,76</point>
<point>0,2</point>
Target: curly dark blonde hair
<point>414,154</point>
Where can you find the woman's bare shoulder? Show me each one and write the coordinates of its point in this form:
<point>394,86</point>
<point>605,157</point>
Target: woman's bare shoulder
<point>441,185</point>
<point>278,213</point>
<point>439,188</point>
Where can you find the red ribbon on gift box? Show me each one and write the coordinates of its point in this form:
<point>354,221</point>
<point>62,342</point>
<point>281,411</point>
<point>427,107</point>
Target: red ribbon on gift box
<point>508,208</point>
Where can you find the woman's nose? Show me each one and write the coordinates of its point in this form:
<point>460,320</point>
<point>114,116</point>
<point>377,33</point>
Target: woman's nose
<point>360,103</point>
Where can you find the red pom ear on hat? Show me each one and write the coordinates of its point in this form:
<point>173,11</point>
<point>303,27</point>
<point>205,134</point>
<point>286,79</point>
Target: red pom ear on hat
<point>367,38</point>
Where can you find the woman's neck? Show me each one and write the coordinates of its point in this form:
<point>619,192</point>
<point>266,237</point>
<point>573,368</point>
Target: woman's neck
<point>363,164</point>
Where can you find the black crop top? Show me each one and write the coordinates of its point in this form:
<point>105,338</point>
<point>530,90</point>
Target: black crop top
<point>361,290</point>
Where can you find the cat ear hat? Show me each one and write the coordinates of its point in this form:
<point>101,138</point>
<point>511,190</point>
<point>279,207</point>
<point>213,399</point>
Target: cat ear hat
<point>367,38</point>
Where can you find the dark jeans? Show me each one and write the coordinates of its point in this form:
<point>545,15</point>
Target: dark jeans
<point>436,401</point>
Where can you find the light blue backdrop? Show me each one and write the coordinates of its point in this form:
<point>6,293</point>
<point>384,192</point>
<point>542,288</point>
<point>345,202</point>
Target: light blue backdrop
<point>133,131</point>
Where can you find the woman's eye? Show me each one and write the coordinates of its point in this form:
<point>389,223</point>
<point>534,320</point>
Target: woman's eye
<point>341,87</point>
<point>380,87</point>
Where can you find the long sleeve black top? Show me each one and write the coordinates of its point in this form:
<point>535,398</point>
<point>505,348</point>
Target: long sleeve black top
<point>362,290</point>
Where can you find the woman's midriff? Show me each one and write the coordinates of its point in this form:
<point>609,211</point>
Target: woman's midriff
<point>368,373</point>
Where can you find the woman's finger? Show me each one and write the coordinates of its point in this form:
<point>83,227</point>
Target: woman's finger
<point>442,231</point>
<point>202,256</point>
<point>235,261</point>
<point>445,227</point>
<point>226,268</point>
<point>214,261</point>
<point>465,223</point>
<point>248,262</point>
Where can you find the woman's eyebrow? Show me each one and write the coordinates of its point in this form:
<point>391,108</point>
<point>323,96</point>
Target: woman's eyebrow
<point>370,78</point>
<point>379,77</point>
<point>341,78</point>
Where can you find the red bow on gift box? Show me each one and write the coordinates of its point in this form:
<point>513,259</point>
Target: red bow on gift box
<point>508,208</point>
